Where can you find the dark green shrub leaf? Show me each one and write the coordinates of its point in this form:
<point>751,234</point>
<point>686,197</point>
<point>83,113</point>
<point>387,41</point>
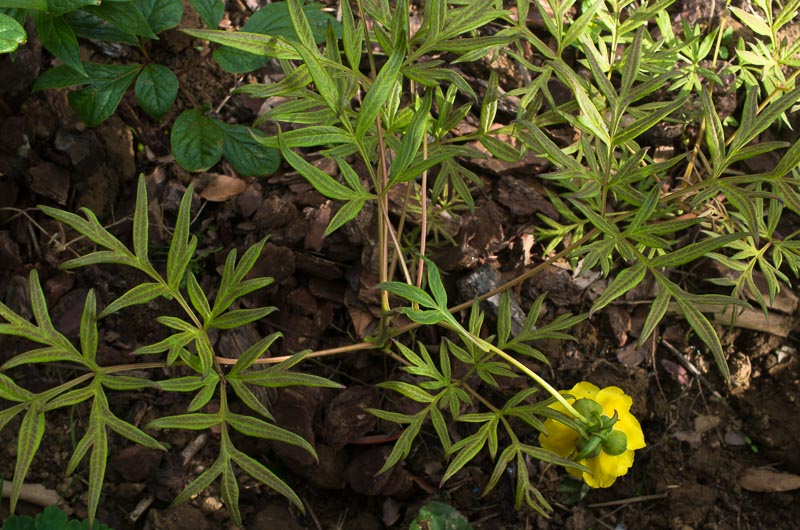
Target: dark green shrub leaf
<point>98,101</point>
<point>156,89</point>
<point>211,11</point>
<point>90,26</point>
<point>196,141</point>
<point>273,19</point>
<point>62,7</point>
<point>12,34</point>
<point>60,77</point>
<point>125,16</point>
<point>247,156</point>
<point>161,14</point>
<point>40,5</point>
<point>59,39</point>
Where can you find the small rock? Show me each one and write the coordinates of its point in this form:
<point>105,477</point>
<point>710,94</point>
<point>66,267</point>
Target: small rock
<point>183,517</point>
<point>275,516</point>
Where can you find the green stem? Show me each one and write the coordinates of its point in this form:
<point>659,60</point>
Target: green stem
<point>527,371</point>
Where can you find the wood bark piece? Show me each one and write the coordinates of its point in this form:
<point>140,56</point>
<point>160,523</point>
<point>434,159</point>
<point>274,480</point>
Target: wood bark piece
<point>34,493</point>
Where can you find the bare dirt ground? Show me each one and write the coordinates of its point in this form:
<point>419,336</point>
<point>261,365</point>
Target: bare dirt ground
<point>714,451</point>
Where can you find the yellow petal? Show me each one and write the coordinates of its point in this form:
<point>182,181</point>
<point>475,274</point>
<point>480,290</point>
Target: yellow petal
<point>583,389</point>
<point>559,439</point>
<point>606,468</point>
<point>633,431</point>
<point>612,399</point>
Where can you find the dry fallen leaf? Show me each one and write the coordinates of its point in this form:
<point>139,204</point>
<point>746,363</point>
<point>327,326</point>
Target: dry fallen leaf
<point>222,187</point>
<point>765,480</point>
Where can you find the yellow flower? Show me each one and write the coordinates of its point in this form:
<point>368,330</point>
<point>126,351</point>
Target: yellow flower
<point>605,467</point>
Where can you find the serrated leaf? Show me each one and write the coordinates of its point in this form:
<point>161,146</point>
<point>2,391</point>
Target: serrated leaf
<point>409,292</point>
<point>715,135</point>
<point>11,391</point>
<point>182,246</point>
<point>30,435</point>
<point>274,379</point>
<point>188,383</point>
<point>239,317</point>
<point>657,311</point>
<point>402,447</point>
<point>379,91</point>
<point>257,470</point>
<point>70,398</point>
<point>410,391</point>
<point>81,448</point>
<point>253,353</point>
<point>754,22</point>
<point>322,182</point>
<point>43,355</point>
<point>156,89</point>
<point>229,488</point>
<point>197,296</point>
<point>624,282</point>
<point>176,323</point>
<point>205,394</point>
<point>262,45</point>
<point>194,422</point>
<point>257,428</point>
<point>127,383</point>
<point>134,434</point>
<point>249,398</point>
<point>694,251</point>
<point>59,39</point>
<point>347,212</point>
<point>196,141</point>
<point>466,450</point>
<point>705,331</point>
